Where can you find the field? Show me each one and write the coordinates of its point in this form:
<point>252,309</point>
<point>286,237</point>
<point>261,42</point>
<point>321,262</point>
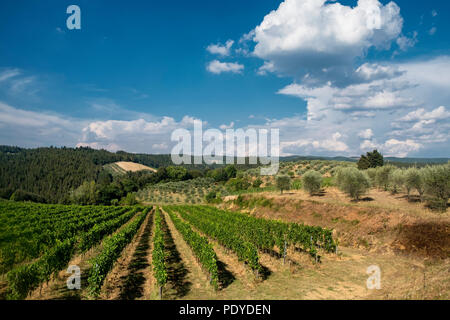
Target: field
<point>122,167</point>
<point>213,253</point>
<point>251,243</point>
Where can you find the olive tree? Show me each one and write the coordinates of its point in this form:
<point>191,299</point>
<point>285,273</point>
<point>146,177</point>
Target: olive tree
<point>312,181</point>
<point>382,177</point>
<point>397,180</point>
<point>414,180</point>
<point>372,173</point>
<point>353,182</point>
<point>283,183</point>
<point>437,184</point>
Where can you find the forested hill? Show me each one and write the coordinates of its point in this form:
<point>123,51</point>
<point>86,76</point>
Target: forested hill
<point>52,172</point>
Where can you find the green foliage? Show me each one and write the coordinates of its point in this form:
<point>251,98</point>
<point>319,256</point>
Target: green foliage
<point>283,183</point>
<point>437,184</point>
<point>363,163</point>
<point>383,176</point>
<point>112,248</point>
<point>177,173</point>
<point>245,235</point>
<point>85,194</point>
<point>257,183</point>
<point>212,197</point>
<point>99,231</point>
<point>158,255</point>
<point>6,193</point>
<point>25,278</point>
<point>297,184</point>
<point>28,230</point>
<point>129,199</point>
<point>237,184</point>
<point>201,247</point>
<point>20,195</point>
<point>371,160</point>
<point>328,182</point>
<point>353,182</point>
<point>397,180</point>
<point>414,180</point>
<point>251,202</point>
<point>312,181</point>
<point>231,171</point>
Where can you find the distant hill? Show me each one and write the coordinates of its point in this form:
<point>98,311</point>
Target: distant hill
<point>419,161</point>
<point>52,172</point>
<point>300,158</point>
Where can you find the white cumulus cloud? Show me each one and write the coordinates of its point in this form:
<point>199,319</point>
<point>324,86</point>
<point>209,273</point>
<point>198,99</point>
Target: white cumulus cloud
<point>220,49</point>
<point>321,39</point>
<point>218,67</point>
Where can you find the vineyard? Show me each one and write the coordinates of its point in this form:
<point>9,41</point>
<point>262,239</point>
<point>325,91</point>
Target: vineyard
<point>39,242</point>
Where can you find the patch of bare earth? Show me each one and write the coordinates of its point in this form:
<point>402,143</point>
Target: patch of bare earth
<point>133,167</point>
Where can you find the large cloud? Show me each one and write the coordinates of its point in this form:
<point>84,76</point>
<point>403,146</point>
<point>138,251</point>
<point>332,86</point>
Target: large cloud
<point>322,39</point>
<point>400,109</point>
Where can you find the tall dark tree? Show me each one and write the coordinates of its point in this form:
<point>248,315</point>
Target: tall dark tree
<point>363,163</point>
<point>371,160</point>
<point>376,159</point>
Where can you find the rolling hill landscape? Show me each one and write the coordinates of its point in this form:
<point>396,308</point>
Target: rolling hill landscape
<point>180,210</point>
<point>225,159</point>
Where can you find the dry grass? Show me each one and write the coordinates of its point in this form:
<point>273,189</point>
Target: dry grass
<point>133,167</point>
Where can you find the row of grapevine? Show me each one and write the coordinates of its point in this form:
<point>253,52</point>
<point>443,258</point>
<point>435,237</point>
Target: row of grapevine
<point>262,233</point>
<point>158,253</point>
<point>25,278</point>
<point>266,233</point>
<point>228,237</point>
<point>27,232</point>
<point>112,249</point>
<point>99,231</point>
<point>203,250</point>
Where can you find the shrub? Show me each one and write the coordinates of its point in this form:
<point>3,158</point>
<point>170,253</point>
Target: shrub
<point>213,197</point>
<point>312,181</point>
<point>6,193</point>
<point>353,182</point>
<point>20,195</point>
<point>372,173</point>
<point>382,177</point>
<point>257,183</point>
<point>414,180</point>
<point>238,184</point>
<point>437,184</point>
<point>129,199</point>
<point>283,183</point>
<point>397,180</point>
<point>328,182</point>
<point>297,184</point>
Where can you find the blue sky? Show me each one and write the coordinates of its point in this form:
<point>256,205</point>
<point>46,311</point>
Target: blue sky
<point>151,61</point>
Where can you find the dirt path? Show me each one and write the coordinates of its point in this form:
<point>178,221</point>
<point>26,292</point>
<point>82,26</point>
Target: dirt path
<point>129,279</point>
<point>178,281</point>
<point>197,279</point>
